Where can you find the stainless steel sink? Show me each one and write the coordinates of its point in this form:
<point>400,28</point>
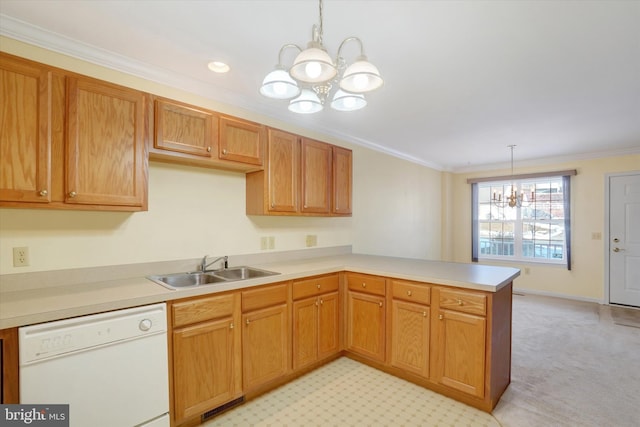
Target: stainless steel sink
<point>189,280</point>
<point>242,273</point>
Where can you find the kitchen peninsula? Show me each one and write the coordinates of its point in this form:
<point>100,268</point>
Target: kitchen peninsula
<point>445,326</point>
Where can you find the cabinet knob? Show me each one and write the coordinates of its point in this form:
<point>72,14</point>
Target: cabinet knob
<point>316,303</point>
<point>424,314</point>
<point>318,286</point>
<point>364,285</point>
<point>247,321</point>
<point>73,194</point>
<point>440,317</point>
<point>208,149</point>
<point>321,301</point>
<point>43,193</point>
<point>380,303</point>
<point>408,293</point>
<point>459,302</point>
<point>224,151</point>
<point>231,326</point>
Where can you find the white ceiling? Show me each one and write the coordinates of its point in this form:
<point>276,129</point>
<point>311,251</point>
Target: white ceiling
<point>463,79</point>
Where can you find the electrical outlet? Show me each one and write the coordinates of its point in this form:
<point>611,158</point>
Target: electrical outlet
<point>272,242</point>
<point>21,257</point>
<point>264,243</point>
<point>312,240</point>
<point>527,270</point>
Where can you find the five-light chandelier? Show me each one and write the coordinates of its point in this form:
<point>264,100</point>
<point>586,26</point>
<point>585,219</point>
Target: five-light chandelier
<point>513,199</point>
<point>309,81</point>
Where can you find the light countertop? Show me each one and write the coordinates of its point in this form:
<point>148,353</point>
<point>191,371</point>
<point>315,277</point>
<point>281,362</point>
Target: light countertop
<point>36,304</point>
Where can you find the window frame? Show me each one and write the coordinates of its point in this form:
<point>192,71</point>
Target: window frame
<point>505,182</point>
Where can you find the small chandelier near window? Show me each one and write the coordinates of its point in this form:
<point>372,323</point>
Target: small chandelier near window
<point>313,75</point>
<point>514,199</point>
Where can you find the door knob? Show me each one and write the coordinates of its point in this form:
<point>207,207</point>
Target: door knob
<point>617,249</point>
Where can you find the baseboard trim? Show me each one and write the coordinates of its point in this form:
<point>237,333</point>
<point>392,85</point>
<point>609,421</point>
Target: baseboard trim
<point>525,292</point>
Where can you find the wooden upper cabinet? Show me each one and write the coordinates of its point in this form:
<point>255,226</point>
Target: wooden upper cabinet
<point>25,135</point>
<point>185,129</point>
<point>342,180</point>
<point>106,144</point>
<point>241,141</point>
<point>301,177</point>
<point>315,176</point>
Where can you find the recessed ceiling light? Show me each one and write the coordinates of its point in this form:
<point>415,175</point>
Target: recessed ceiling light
<point>218,67</point>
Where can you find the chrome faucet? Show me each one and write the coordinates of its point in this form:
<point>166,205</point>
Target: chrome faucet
<point>204,265</point>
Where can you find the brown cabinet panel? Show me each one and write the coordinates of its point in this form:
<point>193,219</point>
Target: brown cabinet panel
<point>282,169</point>
<point>265,346</point>
<point>185,129</point>
<point>461,344</point>
<point>366,325</point>
<point>265,296</point>
<point>316,185</point>
<point>203,367</point>
<point>305,332</point>
<point>315,286</point>
<point>241,141</point>
<point>465,301</point>
<point>342,181</point>
<point>329,320</point>
<point>413,292</point>
<point>25,135</point>
<point>366,283</point>
<point>106,143</point>
<point>410,337</point>
<point>9,366</point>
<point>202,309</point>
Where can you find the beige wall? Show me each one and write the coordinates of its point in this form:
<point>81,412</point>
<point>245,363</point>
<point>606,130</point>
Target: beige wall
<point>196,211</point>
<point>586,279</point>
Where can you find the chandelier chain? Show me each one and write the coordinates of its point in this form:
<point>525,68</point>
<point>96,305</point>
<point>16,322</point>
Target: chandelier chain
<point>321,19</point>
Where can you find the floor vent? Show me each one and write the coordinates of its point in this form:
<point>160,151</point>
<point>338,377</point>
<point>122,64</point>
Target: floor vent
<point>212,413</point>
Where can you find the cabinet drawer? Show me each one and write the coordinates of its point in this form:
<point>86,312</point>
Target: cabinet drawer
<point>414,292</point>
<point>264,297</point>
<point>315,286</point>
<point>468,302</point>
<point>201,309</point>
<point>364,283</point>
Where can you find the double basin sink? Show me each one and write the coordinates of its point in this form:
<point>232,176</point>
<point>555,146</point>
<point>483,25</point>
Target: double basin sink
<point>199,278</point>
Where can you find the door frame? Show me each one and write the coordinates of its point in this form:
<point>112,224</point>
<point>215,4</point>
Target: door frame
<point>606,234</point>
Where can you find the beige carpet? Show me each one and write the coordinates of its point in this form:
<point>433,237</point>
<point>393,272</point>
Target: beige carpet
<point>572,365</point>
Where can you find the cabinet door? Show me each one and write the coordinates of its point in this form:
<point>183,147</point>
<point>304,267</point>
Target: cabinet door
<point>185,129</point>
<point>329,325</point>
<point>265,345</point>
<point>342,180</point>
<point>241,141</point>
<point>316,158</point>
<point>461,351</point>
<point>282,171</point>
<point>9,368</point>
<point>25,134</point>
<point>365,326</point>
<point>305,332</point>
<point>203,367</point>
<point>106,158</point>
<point>410,337</point>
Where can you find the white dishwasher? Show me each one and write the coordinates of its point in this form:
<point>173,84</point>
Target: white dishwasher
<point>111,368</point>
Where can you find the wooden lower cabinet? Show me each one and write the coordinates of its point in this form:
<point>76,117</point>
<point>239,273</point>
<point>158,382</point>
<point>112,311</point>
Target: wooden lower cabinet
<point>315,329</point>
<point>205,346</point>
<point>366,325</point>
<point>9,368</point>
<point>410,337</point>
<point>460,351</point>
<point>266,351</point>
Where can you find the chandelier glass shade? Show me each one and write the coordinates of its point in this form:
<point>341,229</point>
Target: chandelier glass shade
<point>314,74</point>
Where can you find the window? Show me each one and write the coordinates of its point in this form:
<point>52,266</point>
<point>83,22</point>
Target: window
<point>537,230</point>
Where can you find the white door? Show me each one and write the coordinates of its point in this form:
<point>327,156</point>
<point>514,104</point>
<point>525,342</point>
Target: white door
<point>624,240</point>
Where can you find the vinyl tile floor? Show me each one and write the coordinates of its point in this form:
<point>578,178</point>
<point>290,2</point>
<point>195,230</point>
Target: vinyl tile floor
<point>347,393</point>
